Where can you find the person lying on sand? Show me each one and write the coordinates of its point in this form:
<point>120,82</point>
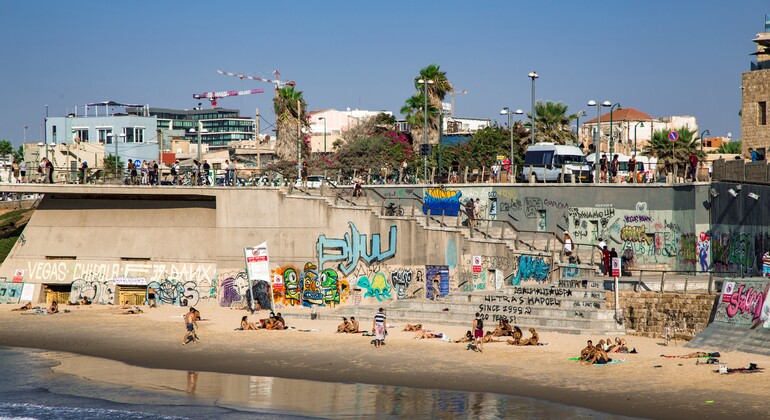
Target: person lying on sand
<point>620,347</point>
<point>424,334</point>
<point>410,327</point>
<point>598,356</point>
<point>344,326</point>
<point>126,306</point>
<point>353,328</point>
<point>467,338</point>
<point>694,355</point>
<point>489,337</point>
<point>132,311</point>
<point>54,309</point>
<point>25,307</point>
<point>531,341</point>
<point>246,325</point>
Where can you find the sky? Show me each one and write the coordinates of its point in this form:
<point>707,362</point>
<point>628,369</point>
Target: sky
<point>661,57</point>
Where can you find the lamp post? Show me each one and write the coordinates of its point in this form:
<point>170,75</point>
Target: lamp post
<point>323,118</point>
<point>507,111</point>
<point>612,143</point>
<point>702,134</point>
<point>639,124</point>
<point>425,84</point>
<point>598,138</point>
<point>533,76</point>
<point>577,125</point>
<point>113,138</point>
<point>198,132</point>
<point>45,132</point>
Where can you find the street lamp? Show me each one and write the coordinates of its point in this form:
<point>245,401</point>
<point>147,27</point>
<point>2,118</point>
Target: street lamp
<point>114,140</point>
<point>577,125</point>
<point>702,134</point>
<point>323,118</point>
<point>612,143</point>
<point>639,124</point>
<point>598,138</point>
<point>533,76</point>
<point>507,111</point>
<point>425,84</point>
<point>198,132</point>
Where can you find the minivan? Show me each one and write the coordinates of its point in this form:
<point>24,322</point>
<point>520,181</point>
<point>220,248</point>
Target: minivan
<point>548,159</point>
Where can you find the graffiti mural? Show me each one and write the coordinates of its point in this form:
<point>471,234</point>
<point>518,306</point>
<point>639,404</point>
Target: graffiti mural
<point>743,303</point>
<point>376,287</point>
<point>438,201</point>
<point>61,271</point>
<point>433,273</point>
<point>233,290</point>
<point>172,292</point>
<point>101,292</point>
<point>293,287</point>
<point>401,279</point>
<point>10,292</point>
<point>354,247</point>
<point>530,267</point>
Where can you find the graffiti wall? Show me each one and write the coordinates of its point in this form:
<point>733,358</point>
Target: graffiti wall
<point>737,250</point>
<point>440,201</point>
<point>68,271</point>
<point>743,303</point>
<point>10,292</point>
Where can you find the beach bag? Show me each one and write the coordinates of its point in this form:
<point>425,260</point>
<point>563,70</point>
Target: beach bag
<point>479,324</point>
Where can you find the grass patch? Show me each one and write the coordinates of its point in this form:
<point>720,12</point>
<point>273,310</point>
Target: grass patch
<point>14,214</point>
<point>7,243</point>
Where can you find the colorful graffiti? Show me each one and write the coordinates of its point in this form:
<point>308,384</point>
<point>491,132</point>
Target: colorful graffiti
<point>353,247</point>
<point>377,287</point>
<point>743,302</point>
<point>172,292</point>
<point>689,249</point>
<point>433,273</point>
<point>10,292</point>
<point>531,267</point>
<point>734,252</point>
<point>635,234</point>
<point>101,292</point>
<point>439,201</point>
<point>292,287</point>
<point>53,271</point>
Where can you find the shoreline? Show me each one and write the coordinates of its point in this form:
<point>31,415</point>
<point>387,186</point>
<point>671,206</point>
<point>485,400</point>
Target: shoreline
<point>633,388</point>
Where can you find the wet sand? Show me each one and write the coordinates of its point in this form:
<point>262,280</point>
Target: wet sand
<point>677,389</point>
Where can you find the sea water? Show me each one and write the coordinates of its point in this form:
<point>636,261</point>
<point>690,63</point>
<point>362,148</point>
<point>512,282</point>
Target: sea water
<point>31,389</point>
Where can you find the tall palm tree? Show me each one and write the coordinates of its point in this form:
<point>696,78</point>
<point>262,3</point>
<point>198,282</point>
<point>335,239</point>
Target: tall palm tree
<point>676,153</point>
<point>436,93</point>
<point>290,116</point>
<point>552,122</point>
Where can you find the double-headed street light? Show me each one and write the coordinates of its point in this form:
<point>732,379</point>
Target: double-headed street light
<point>533,75</point>
<point>702,137</point>
<point>198,132</point>
<point>598,138</point>
<point>612,142</point>
<point>639,124</point>
<point>425,84</point>
<point>122,137</point>
<point>507,111</point>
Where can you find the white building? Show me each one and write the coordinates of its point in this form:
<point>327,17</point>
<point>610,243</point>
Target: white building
<point>334,122</point>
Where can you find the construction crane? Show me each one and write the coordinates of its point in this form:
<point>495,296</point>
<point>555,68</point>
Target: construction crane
<point>277,82</point>
<point>213,96</point>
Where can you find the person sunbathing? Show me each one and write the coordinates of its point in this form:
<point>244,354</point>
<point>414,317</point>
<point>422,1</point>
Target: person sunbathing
<point>467,338</point>
<point>503,329</point>
<point>598,356</point>
<point>587,351</point>
<point>126,306</point>
<point>694,355</point>
<point>344,326</point>
<point>281,321</point>
<point>246,325</point>
<point>25,307</point>
<point>531,341</point>
<point>353,327</point>
<point>54,308</point>
<point>489,337</point>
<point>410,327</point>
<point>132,311</point>
<point>424,334</point>
<point>516,334</point>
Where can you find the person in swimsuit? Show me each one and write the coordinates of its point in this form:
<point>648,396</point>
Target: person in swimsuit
<point>478,331</point>
<point>191,321</point>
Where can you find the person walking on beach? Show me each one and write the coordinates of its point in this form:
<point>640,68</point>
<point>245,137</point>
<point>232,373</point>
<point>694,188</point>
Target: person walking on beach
<point>378,325</point>
<point>478,331</point>
<point>191,322</point>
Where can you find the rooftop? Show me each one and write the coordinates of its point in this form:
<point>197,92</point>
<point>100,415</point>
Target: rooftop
<point>625,114</point>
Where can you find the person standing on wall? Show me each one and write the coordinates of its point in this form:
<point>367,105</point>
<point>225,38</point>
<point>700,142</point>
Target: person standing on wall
<point>379,327</point>
<point>304,174</point>
<point>614,168</point>
<point>603,168</point>
<point>693,166</point>
<point>632,168</point>
<point>478,332</point>
<point>175,172</point>
<point>569,246</point>
<point>23,170</point>
<point>49,170</point>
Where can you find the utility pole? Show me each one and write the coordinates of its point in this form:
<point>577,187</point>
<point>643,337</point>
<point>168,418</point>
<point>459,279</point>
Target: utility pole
<point>259,142</point>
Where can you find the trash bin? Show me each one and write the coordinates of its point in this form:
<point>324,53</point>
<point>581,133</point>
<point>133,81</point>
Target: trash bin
<point>703,174</point>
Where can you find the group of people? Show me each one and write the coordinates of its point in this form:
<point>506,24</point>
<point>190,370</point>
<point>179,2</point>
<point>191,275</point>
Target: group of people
<point>472,211</point>
<point>599,354</point>
<point>478,337</point>
<point>145,174</point>
<point>273,322</point>
<point>348,326</point>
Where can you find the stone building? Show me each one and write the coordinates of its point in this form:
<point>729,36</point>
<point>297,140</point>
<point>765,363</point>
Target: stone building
<point>755,131</point>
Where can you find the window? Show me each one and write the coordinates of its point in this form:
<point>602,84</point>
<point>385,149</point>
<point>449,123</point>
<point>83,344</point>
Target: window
<point>53,128</point>
<point>80,134</point>
<point>134,134</point>
<point>102,135</point>
<point>762,116</point>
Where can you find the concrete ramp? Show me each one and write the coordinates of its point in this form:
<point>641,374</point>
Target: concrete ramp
<point>741,319</point>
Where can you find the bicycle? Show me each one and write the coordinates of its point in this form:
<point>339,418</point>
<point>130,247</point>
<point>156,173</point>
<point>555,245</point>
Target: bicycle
<point>393,209</point>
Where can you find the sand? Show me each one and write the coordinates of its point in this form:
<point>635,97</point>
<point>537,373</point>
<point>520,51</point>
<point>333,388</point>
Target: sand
<point>635,387</point>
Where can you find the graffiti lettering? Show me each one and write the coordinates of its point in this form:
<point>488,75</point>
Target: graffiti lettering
<point>531,268</point>
<point>635,234</point>
<point>637,219</point>
<point>440,201</point>
<point>353,247</point>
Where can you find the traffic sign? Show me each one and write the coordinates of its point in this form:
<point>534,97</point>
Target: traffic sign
<point>615,267</point>
<point>138,163</point>
<point>673,136</point>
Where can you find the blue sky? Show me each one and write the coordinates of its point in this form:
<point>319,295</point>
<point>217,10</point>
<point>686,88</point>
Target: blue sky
<point>661,57</point>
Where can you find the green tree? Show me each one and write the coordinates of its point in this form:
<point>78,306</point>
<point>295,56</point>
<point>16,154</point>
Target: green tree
<point>6,148</point>
<point>291,120</point>
<point>109,166</point>
<point>18,155</point>
<point>674,153</point>
<point>482,149</point>
<point>437,90</point>
<point>552,123</point>
<point>729,148</point>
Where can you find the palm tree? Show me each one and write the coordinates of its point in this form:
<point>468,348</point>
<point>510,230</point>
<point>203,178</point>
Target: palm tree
<point>729,147</point>
<point>290,118</point>
<point>552,122</point>
<point>436,93</point>
<point>674,153</point>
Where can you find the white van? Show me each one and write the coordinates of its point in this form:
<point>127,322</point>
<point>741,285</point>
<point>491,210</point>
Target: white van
<point>547,160</point>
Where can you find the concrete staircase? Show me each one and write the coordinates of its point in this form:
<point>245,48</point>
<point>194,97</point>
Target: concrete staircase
<point>573,310</point>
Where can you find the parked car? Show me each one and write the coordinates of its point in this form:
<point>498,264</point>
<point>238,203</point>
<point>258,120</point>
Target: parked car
<point>314,181</point>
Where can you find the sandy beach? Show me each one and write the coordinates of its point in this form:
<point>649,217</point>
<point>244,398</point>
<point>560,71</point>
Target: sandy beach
<point>644,385</point>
